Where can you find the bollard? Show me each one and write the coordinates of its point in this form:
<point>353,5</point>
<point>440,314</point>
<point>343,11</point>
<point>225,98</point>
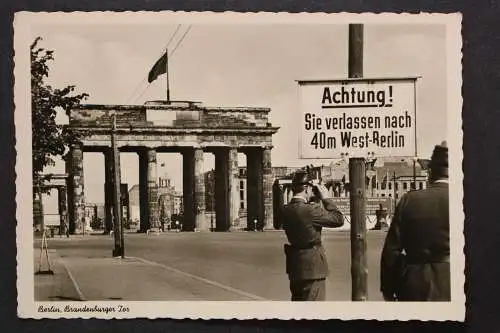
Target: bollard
<point>381,214</point>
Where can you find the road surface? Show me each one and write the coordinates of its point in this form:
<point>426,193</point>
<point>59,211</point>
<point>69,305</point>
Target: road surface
<point>203,266</point>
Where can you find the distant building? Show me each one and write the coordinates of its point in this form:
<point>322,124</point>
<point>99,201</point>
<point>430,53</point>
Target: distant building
<point>90,217</point>
<point>277,172</point>
<point>101,211</point>
<point>386,182</point>
<point>169,200</point>
<point>164,182</point>
<point>90,211</point>
<point>242,172</point>
<point>384,178</point>
<point>133,196</point>
<point>166,194</point>
<point>393,179</point>
<point>178,203</point>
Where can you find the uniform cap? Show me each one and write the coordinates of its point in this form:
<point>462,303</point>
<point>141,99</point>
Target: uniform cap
<point>439,160</point>
<point>440,155</point>
<point>300,178</point>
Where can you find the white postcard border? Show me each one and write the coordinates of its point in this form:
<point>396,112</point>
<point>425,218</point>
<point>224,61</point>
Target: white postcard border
<point>28,308</point>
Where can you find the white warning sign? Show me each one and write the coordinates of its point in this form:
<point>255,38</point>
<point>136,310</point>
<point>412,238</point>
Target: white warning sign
<point>357,118</point>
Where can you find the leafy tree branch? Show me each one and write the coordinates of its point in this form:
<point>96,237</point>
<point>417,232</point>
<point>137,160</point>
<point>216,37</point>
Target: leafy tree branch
<point>49,138</point>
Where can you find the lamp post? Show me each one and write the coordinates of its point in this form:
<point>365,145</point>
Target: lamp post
<point>394,189</point>
<point>212,198</point>
<point>119,248</point>
<point>370,171</point>
<point>415,158</point>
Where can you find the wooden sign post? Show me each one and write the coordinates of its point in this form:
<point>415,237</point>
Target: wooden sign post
<point>119,249</point>
<point>357,118</point>
<point>357,171</point>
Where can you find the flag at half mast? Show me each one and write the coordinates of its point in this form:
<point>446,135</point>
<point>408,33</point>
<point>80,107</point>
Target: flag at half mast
<point>159,68</point>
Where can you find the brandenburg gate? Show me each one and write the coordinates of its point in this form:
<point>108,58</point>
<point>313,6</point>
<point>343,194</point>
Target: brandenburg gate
<point>188,128</point>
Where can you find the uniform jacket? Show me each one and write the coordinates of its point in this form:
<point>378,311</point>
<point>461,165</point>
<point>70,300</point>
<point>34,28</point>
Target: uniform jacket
<point>420,228</point>
<point>302,222</point>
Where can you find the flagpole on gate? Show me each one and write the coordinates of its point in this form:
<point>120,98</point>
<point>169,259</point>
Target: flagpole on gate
<point>168,76</point>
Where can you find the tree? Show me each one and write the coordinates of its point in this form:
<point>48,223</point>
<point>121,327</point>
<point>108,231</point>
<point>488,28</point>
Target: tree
<point>49,138</point>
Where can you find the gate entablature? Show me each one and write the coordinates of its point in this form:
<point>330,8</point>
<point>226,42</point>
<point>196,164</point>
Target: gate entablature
<point>174,114</point>
<point>157,124</point>
<point>191,129</point>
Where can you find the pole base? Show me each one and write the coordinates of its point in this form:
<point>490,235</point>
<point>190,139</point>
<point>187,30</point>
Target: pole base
<point>118,252</point>
<point>380,226</point>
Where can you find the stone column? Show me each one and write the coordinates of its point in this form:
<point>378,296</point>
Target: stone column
<point>188,219</point>
<point>278,202</point>
<point>255,198</point>
<point>76,198</point>
<point>234,188</point>
<point>222,190</point>
<point>267,188</point>
<point>152,183</point>
<point>108,190</point>
<point>199,191</point>
<point>143,191</point>
<point>38,210</point>
<point>63,209</point>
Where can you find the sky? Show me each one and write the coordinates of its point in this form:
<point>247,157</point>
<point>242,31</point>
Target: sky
<point>239,65</point>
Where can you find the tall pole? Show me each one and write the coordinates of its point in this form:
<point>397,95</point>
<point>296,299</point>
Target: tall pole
<point>168,76</point>
<point>40,200</point>
<point>414,173</point>
<point>395,201</point>
<point>119,249</point>
<point>357,172</point>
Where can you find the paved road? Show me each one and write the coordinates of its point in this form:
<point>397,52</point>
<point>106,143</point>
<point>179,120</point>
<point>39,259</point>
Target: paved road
<point>204,266</point>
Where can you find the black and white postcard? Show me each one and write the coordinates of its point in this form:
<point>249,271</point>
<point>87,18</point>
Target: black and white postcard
<point>231,165</point>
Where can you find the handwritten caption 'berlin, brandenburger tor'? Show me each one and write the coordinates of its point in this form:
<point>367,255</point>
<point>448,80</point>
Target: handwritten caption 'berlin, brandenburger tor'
<point>119,308</point>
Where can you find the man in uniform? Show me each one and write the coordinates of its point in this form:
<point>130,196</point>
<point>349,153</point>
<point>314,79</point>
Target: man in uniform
<point>415,262</point>
<point>302,220</point>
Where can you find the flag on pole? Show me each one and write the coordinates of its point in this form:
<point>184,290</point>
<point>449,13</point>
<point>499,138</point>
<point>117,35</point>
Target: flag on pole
<point>159,68</point>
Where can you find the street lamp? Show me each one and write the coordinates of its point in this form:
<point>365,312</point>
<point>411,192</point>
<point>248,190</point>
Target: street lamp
<point>414,186</point>
<point>394,190</point>
<point>212,199</point>
<point>211,218</point>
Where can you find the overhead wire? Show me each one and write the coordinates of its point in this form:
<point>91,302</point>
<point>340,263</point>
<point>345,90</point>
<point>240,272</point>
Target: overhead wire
<point>143,91</point>
<point>172,36</point>
<point>180,41</point>
<point>144,79</point>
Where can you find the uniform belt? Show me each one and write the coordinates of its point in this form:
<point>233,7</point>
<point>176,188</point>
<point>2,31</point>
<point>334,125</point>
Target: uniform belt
<point>434,259</point>
<point>305,246</point>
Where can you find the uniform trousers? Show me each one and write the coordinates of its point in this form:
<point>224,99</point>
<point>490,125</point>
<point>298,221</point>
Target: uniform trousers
<point>308,290</point>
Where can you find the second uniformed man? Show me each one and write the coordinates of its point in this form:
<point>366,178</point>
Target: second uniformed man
<point>415,263</point>
<point>302,221</point>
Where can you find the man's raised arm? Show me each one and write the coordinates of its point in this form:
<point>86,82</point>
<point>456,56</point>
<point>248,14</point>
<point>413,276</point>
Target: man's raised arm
<point>328,215</point>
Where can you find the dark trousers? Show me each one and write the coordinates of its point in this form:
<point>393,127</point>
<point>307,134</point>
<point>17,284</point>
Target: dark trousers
<point>308,290</point>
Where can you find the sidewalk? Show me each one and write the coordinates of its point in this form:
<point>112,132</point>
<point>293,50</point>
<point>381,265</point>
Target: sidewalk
<point>132,279</point>
<point>56,287</point>
<point>82,279</point>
